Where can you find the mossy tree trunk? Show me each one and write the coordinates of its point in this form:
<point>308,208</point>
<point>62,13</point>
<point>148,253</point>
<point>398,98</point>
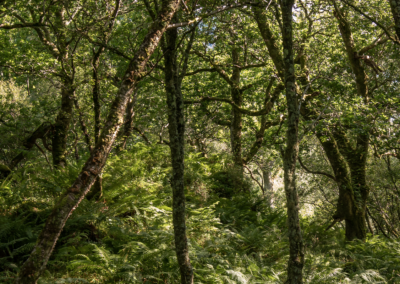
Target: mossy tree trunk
<point>70,199</point>
<point>347,161</point>
<point>236,122</point>
<point>176,129</point>
<point>63,120</point>
<point>350,205</point>
<point>296,257</point>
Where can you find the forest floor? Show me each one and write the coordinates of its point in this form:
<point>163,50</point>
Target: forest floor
<point>127,237</point>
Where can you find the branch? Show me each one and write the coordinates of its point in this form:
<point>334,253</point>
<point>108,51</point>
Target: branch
<point>253,178</point>
<point>141,133</point>
<point>316,172</point>
<point>110,48</point>
<point>251,66</point>
<point>263,111</point>
<point>200,70</point>
<point>335,220</point>
<point>375,43</point>
<point>21,25</point>
<point>28,144</point>
<point>44,154</point>
<point>198,19</point>
<point>260,138</point>
<point>44,39</point>
<point>374,21</point>
<point>217,68</point>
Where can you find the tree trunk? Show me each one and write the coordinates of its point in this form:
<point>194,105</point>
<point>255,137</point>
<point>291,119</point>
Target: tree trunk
<point>83,125</point>
<point>176,129</point>
<point>126,132</point>
<point>268,185</point>
<point>395,6</point>
<point>70,199</point>
<point>296,258</point>
<point>236,123</point>
<point>97,190</point>
<point>260,15</point>
<point>61,126</point>
<point>356,227</point>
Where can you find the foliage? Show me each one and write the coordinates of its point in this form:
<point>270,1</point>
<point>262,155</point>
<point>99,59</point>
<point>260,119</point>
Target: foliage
<point>127,236</point>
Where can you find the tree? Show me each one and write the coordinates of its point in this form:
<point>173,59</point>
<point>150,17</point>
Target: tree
<point>290,154</point>
<point>37,261</point>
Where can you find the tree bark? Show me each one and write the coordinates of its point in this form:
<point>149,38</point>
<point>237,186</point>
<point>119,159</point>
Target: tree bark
<point>348,163</point>
<point>296,257</point>
<point>236,122</point>
<point>176,128</point>
<point>70,199</point>
<point>97,190</point>
<point>269,39</point>
<point>395,6</point>
<point>61,126</point>
<point>83,125</point>
<point>126,132</point>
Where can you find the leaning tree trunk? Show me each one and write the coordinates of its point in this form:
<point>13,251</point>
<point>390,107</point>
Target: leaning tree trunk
<point>61,126</point>
<point>70,199</point>
<point>296,257</point>
<point>176,129</point>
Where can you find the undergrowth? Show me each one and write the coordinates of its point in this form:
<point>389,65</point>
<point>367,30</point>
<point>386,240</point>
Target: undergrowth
<point>127,235</point>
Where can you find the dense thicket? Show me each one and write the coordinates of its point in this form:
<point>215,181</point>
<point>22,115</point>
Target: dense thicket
<point>199,141</point>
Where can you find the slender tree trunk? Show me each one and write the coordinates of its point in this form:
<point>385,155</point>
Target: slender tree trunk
<point>236,123</point>
<point>296,258</point>
<point>236,141</point>
<point>83,125</point>
<point>176,129</point>
<point>61,126</point>
<point>70,199</point>
<point>126,132</point>
<point>268,185</point>
<point>97,190</point>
